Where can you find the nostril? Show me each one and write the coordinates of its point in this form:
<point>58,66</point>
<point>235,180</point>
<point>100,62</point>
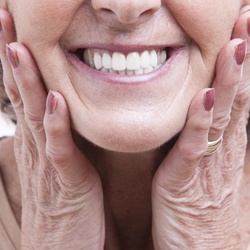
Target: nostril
<point>107,11</point>
<point>127,11</point>
<point>147,12</point>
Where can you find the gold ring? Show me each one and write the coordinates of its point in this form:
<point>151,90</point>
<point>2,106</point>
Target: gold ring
<point>212,146</point>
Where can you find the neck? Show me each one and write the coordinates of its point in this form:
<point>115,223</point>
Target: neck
<point>126,180</point>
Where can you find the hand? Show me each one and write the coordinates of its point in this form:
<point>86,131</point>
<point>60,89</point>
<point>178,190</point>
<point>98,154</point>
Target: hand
<point>62,200</point>
<point>195,197</point>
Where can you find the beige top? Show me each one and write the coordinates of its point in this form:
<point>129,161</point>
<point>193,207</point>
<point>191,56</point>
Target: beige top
<point>10,232</point>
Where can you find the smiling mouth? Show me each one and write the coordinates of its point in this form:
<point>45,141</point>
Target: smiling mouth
<point>132,63</point>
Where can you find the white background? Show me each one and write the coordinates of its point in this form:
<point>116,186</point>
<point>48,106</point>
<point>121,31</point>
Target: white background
<point>7,128</point>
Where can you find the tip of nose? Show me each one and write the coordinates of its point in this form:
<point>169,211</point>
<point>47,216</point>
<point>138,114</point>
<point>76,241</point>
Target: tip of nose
<point>128,11</point>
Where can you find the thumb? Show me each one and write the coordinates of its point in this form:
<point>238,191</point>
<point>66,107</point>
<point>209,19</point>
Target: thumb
<point>73,167</point>
<point>178,167</point>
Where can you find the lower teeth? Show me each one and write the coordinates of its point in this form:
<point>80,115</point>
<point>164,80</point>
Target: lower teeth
<point>130,72</point>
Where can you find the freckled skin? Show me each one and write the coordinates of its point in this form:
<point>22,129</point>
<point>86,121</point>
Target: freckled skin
<point>131,120</point>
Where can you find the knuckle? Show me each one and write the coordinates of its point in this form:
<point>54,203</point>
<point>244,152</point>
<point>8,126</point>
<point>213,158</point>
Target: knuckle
<point>239,105</point>
<point>10,87</point>
<point>17,105</point>
<point>202,127</point>
<point>8,82</point>
<point>220,122</point>
<point>242,98</point>
<point>189,154</point>
<point>34,122</point>
<point>28,155</point>
<point>53,129</point>
<point>215,130</point>
<point>13,94</point>
<point>199,125</point>
<point>59,155</point>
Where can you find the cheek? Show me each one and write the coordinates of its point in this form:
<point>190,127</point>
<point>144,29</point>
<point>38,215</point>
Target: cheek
<point>208,22</point>
<point>47,19</point>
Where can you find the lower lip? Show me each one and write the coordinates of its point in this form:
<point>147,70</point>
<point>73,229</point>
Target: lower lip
<point>127,79</point>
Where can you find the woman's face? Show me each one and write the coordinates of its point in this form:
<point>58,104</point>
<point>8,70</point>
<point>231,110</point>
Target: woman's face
<point>84,50</point>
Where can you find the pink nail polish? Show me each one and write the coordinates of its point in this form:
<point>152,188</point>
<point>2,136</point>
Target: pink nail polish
<point>12,57</point>
<point>240,52</point>
<point>209,99</point>
<point>51,103</point>
<point>248,26</point>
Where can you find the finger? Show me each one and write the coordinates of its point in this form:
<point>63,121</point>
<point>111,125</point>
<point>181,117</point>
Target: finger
<point>241,103</point>
<point>31,89</point>
<point>242,30</point>
<point>228,74</point>
<point>7,35</point>
<point>179,166</point>
<point>72,166</point>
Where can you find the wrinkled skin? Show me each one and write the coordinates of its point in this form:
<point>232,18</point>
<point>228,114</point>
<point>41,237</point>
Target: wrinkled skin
<point>115,117</point>
<point>195,198</point>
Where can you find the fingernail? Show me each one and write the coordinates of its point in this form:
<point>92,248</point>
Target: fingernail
<point>248,26</point>
<point>209,99</point>
<point>240,52</point>
<point>51,103</point>
<point>12,57</point>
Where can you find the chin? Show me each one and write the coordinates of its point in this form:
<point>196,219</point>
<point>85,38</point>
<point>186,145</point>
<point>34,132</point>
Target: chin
<point>133,137</point>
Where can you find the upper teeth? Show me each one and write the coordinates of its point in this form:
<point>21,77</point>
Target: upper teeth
<point>119,63</point>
